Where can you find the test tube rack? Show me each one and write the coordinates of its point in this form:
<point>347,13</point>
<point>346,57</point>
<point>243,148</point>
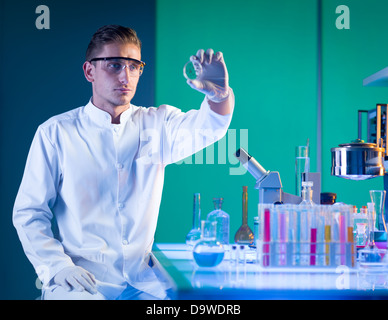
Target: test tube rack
<point>305,236</point>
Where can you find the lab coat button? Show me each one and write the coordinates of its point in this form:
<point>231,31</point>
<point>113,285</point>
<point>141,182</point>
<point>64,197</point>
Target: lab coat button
<point>125,242</point>
<point>119,166</point>
<point>120,205</point>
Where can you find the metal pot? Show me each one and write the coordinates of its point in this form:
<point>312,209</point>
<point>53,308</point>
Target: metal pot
<point>357,160</point>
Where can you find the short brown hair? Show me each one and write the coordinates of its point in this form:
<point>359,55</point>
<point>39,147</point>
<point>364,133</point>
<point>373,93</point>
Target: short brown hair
<point>108,34</point>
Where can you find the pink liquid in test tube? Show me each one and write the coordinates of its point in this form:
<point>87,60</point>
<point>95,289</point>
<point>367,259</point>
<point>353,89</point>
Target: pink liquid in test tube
<point>266,237</point>
<point>342,232</point>
<point>283,232</point>
<point>313,246</point>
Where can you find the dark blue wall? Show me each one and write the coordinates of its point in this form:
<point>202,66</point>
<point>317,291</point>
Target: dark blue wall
<point>40,76</point>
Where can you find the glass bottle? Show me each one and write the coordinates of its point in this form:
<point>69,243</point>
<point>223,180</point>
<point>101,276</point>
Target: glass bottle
<point>307,194</point>
<point>195,233</point>
<point>360,220</point>
<point>222,219</point>
<point>361,237</point>
<point>208,252</point>
<point>244,234</point>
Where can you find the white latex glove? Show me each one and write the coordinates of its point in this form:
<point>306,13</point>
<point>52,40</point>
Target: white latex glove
<point>214,79</point>
<point>76,278</point>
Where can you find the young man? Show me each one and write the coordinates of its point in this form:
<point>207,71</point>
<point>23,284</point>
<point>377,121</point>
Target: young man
<point>99,169</point>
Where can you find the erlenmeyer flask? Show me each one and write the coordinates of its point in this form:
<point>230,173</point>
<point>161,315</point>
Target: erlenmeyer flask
<point>244,234</point>
<point>378,199</point>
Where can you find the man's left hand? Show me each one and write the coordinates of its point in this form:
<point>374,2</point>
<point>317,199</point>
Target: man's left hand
<point>214,79</point>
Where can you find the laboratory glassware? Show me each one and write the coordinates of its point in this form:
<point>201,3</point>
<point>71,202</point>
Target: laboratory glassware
<point>244,234</point>
<point>302,164</point>
<point>307,194</point>
<point>378,199</point>
<point>222,219</point>
<point>195,233</point>
<point>361,237</point>
<point>371,257</point>
<point>208,252</point>
<point>360,223</point>
<point>192,70</point>
<point>256,229</point>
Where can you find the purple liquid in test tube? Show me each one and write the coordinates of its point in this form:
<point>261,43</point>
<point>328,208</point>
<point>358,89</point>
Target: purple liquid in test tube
<point>313,246</point>
<point>266,237</point>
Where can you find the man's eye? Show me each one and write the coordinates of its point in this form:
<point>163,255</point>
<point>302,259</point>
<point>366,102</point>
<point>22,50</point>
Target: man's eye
<point>115,66</point>
<point>133,67</point>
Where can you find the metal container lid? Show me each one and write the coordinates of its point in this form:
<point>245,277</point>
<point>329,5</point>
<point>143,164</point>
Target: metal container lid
<point>357,160</point>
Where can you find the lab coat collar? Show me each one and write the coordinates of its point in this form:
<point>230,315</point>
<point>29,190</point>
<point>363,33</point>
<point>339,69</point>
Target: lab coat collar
<point>103,118</point>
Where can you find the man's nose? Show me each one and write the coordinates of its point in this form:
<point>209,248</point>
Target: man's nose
<point>124,76</point>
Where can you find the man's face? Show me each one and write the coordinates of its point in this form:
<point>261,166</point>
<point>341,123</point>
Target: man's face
<point>112,90</point>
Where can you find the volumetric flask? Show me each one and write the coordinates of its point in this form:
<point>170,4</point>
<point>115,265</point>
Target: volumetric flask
<point>192,70</point>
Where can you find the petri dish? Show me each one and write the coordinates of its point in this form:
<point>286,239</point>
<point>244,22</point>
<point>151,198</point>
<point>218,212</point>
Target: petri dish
<point>191,70</point>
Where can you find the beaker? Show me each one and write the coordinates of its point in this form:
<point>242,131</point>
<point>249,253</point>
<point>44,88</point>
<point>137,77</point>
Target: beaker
<point>208,252</point>
<point>302,164</point>
<point>195,233</point>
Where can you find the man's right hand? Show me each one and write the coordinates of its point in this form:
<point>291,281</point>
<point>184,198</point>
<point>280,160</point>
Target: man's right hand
<point>76,278</point>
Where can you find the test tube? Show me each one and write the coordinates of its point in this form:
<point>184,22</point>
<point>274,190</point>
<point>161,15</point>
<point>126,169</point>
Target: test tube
<point>242,255</point>
<point>371,224</point>
<point>233,255</point>
<point>266,237</point>
<point>261,245</point>
<point>320,235</point>
<point>296,218</point>
<point>327,223</point>
<point>349,236</point>
<point>313,235</point>
<point>342,234</point>
<point>282,214</point>
<point>290,230</point>
<point>304,235</point>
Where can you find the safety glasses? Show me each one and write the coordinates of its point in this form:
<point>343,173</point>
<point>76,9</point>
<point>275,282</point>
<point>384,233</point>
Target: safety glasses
<point>114,65</point>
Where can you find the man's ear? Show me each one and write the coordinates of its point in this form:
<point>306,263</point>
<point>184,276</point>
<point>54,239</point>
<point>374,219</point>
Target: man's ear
<point>88,71</point>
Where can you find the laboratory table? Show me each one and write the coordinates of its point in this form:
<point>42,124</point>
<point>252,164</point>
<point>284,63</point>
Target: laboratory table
<point>249,281</point>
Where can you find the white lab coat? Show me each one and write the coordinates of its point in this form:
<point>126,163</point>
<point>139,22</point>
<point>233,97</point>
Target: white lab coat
<point>103,182</point>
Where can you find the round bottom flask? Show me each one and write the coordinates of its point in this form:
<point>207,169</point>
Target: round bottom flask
<point>208,252</point>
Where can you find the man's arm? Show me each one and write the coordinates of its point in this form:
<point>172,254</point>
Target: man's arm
<point>32,217</point>
<point>224,107</point>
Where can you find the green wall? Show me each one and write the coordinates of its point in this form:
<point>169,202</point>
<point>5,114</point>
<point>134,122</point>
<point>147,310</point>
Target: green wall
<point>270,48</point>
<point>270,51</point>
<point>349,56</point>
